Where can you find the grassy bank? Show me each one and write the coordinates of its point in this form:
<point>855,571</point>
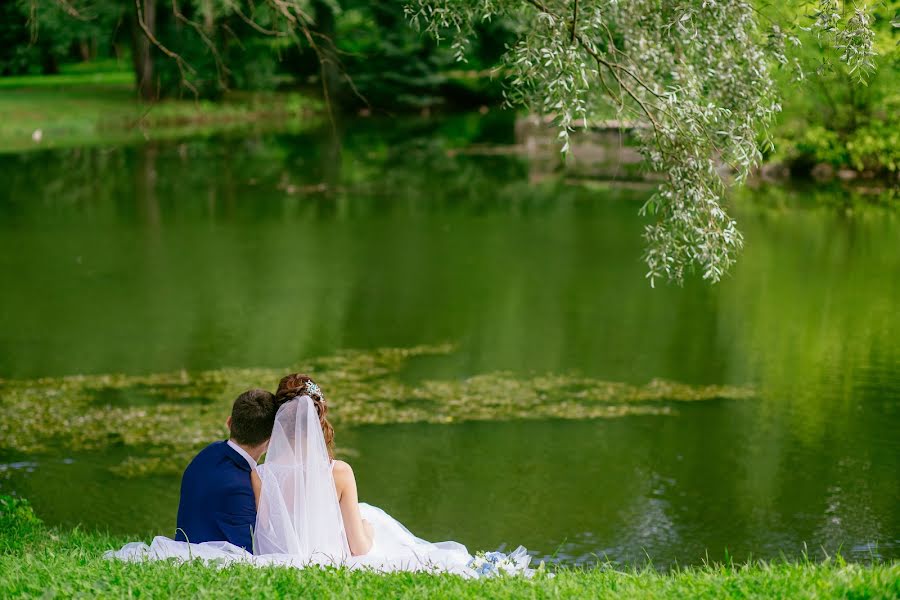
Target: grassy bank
<point>39,561</point>
<point>89,109</point>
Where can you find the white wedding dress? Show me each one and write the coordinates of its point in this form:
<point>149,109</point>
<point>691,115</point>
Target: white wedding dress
<point>299,520</point>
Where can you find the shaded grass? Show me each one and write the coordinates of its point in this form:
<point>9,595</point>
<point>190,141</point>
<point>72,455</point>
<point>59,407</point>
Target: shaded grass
<point>39,561</point>
<point>99,108</point>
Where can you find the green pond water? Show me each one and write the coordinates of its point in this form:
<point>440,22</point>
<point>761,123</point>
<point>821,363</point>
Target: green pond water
<point>267,250</point>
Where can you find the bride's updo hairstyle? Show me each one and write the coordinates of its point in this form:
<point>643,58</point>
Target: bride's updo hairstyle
<point>297,384</point>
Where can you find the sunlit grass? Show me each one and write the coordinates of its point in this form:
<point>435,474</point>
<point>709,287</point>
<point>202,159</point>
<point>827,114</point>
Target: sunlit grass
<point>86,108</point>
<point>38,561</point>
<point>119,78</point>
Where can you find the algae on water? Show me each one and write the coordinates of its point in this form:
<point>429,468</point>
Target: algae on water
<point>164,418</point>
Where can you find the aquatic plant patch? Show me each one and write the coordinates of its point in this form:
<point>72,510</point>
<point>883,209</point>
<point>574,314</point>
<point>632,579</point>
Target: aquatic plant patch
<point>165,417</point>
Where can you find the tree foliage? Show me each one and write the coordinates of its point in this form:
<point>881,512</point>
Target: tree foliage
<point>695,76</point>
<point>42,34</point>
<point>841,120</point>
<point>364,52</point>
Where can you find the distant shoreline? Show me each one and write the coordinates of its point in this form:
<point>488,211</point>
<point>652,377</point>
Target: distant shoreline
<point>95,109</point>
<point>84,109</point>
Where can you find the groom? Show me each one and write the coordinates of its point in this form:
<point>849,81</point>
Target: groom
<point>217,502</point>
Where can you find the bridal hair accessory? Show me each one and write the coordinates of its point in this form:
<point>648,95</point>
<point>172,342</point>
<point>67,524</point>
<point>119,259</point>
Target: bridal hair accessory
<point>312,388</point>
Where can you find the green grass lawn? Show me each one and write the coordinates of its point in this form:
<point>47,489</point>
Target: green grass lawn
<point>39,561</point>
<point>80,108</point>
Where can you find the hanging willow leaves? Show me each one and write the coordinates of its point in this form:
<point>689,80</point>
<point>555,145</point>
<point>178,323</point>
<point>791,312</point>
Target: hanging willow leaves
<point>696,75</point>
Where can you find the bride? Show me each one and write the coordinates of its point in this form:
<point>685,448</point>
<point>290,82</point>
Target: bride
<point>308,512</point>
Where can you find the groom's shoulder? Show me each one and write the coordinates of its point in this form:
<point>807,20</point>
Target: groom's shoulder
<point>211,453</point>
<point>216,448</point>
<point>217,461</point>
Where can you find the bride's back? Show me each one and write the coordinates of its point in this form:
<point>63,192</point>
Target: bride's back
<point>298,511</point>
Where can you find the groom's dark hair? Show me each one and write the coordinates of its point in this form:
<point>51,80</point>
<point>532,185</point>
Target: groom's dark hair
<point>253,417</point>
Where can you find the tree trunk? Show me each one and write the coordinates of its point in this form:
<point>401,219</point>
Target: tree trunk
<point>209,19</point>
<point>142,50</point>
<point>49,66</point>
<point>84,50</point>
<point>332,78</point>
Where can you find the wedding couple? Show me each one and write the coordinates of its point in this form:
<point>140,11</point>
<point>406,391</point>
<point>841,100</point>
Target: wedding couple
<point>300,507</point>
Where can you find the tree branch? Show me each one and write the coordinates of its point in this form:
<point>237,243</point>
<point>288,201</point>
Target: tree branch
<point>574,21</point>
<point>220,65</point>
<point>179,60</point>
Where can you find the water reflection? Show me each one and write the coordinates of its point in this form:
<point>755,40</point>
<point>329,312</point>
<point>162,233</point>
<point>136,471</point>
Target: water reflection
<point>265,250</point>
<point>674,489</point>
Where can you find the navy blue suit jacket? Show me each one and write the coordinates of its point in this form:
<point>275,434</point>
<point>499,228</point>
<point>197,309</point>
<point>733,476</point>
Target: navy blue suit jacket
<point>217,500</point>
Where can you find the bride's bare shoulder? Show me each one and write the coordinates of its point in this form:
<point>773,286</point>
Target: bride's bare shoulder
<point>344,481</point>
<point>342,469</point>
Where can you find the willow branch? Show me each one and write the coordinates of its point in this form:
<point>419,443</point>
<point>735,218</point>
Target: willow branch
<point>574,21</point>
<point>71,11</point>
<point>220,65</point>
<point>249,21</point>
<point>179,61</point>
<point>322,75</point>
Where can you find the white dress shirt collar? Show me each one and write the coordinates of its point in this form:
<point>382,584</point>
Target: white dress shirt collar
<point>243,453</point>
